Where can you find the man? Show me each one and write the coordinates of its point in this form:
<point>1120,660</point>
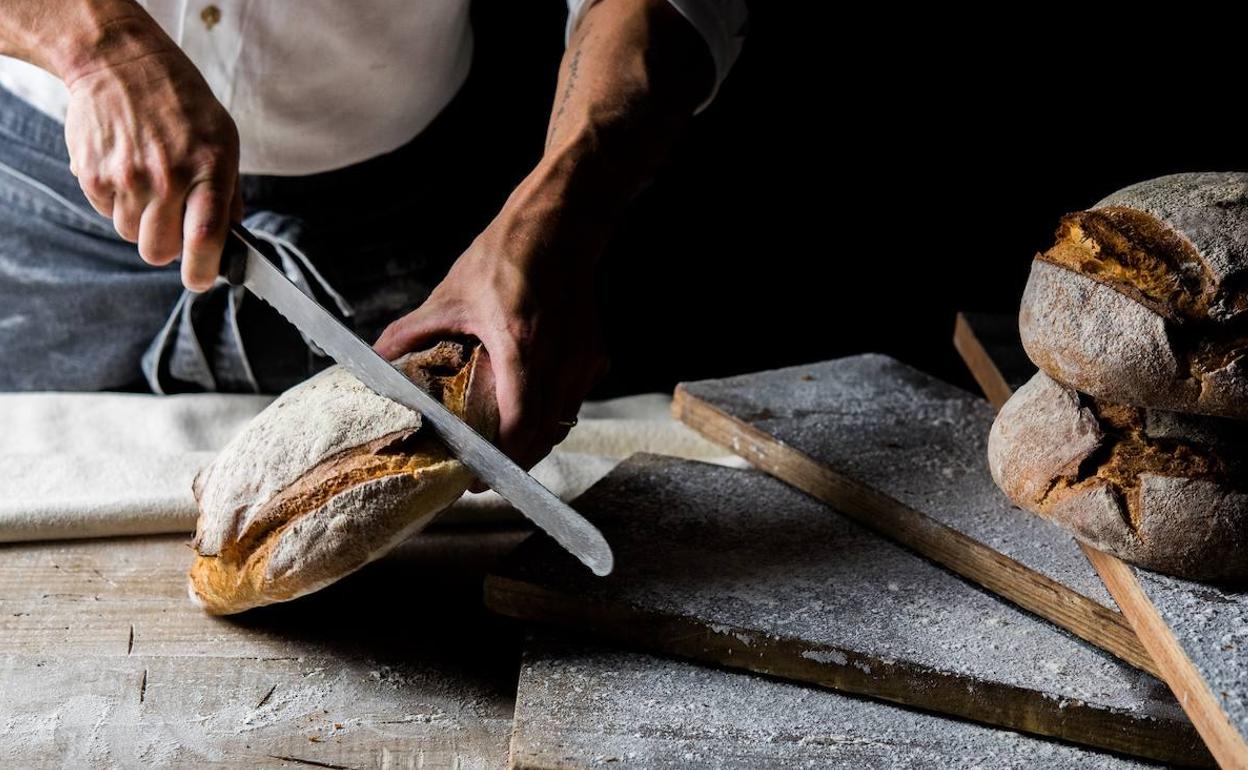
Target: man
<point>318,124</point>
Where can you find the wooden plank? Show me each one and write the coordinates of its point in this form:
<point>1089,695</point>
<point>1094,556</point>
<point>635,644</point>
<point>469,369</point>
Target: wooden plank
<point>736,568</point>
<point>584,706</point>
<point>1197,634</point>
<point>903,453</point>
<point>1001,373</point>
<point>104,662</point>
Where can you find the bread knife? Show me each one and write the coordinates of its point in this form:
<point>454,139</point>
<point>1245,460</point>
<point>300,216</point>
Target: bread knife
<point>244,264</point>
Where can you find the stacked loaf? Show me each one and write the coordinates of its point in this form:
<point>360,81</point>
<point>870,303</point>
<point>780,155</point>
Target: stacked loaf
<point>329,477</point>
<point>1133,433</point>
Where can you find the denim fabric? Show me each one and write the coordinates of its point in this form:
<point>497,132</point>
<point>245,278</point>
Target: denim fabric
<point>79,310</point>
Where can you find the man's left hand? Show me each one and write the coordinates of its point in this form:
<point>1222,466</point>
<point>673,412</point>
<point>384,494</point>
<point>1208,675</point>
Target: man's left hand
<point>526,290</point>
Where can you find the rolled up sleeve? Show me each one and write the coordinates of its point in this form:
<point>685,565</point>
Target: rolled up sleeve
<point>721,23</point>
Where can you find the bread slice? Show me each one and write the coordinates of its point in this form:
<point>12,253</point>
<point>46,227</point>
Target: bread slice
<point>1163,490</point>
<point>1143,299</point>
<point>329,477</point>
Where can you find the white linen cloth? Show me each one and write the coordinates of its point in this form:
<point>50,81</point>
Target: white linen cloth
<point>78,465</point>
<point>315,85</point>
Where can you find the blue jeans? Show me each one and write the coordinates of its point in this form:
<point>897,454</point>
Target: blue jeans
<point>79,310</point>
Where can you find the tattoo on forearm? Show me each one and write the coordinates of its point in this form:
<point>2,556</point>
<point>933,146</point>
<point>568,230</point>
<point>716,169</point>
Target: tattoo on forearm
<point>573,66</point>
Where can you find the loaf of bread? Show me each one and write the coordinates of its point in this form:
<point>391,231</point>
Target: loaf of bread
<point>329,477</point>
<point>1163,490</point>
<point>1143,299</point>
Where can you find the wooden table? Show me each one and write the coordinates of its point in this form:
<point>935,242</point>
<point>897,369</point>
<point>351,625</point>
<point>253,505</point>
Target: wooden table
<point>104,662</point>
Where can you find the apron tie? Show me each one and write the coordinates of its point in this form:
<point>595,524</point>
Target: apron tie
<point>178,357</point>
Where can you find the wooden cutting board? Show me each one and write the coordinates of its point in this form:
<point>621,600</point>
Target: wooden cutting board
<point>582,706</point>
<point>1197,634</point>
<point>905,454</point>
<point>736,568</point>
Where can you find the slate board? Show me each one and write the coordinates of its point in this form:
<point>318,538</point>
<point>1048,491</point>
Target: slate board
<point>584,706</point>
<point>734,567</point>
<point>905,454</point>
<point>1198,634</point>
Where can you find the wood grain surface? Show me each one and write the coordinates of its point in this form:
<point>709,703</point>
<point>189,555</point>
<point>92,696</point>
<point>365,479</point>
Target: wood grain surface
<point>737,568</point>
<point>904,453</point>
<point>104,662</point>
<point>1197,634</point>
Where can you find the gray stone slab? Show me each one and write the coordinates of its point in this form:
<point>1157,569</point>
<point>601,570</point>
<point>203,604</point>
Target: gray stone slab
<point>1211,625</point>
<point>735,567</point>
<point>919,440</point>
<point>590,707</point>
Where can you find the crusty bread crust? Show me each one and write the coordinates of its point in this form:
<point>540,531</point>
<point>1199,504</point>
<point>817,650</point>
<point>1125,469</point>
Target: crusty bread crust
<point>1143,299</point>
<point>1163,490</point>
<point>329,477</point>
<point>1208,210</point>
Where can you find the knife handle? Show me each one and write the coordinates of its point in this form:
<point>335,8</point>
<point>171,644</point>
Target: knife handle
<point>234,259</point>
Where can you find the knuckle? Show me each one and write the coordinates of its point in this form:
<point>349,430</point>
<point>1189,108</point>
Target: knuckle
<point>164,178</point>
<point>214,158</point>
<point>162,186</point>
<point>204,229</point>
<point>130,176</point>
<point>94,183</point>
<point>219,153</point>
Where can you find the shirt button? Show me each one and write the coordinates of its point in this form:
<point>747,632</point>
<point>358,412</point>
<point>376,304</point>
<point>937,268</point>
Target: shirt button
<point>210,16</point>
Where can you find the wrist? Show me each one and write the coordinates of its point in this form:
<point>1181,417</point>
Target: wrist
<point>561,212</point>
<point>102,34</point>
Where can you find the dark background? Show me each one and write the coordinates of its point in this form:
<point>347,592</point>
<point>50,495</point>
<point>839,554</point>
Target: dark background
<point>862,177</point>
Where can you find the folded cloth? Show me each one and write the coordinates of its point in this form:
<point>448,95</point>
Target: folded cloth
<point>78,465</point>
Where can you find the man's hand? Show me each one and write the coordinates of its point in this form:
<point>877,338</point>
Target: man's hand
<point>151,146</point>
<point>157,153</point>
<point>632,74</point>
<point>527,293</point>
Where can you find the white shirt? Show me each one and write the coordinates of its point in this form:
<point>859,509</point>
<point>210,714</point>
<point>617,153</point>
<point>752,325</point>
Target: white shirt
<point>315,85</point>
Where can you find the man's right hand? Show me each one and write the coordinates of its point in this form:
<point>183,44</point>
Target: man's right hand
<point>151,146</point>
<point>155,151</point>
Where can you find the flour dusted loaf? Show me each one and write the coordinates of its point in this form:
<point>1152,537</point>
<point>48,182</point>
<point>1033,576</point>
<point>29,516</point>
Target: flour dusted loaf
<point>1143,300</point>
<point>1163,490</point>
<point>329,477</point>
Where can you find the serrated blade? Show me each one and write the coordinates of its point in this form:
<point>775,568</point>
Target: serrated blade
<point>248,266</point>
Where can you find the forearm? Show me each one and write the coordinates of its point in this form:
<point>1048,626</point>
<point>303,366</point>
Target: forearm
<point>72,38</point>
<point>630,79</point>
<point>632,76</point>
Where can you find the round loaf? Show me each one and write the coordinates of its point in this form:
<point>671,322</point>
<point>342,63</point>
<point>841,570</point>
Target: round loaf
<point>1143,299</point>
<point>1159,489</point>
<point>329,477</point>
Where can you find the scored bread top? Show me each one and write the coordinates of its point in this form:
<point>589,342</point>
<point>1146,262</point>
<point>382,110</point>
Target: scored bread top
<point>1208,211</point>
<point>337,412</point>
<point>1177,244</point>
<point>329,477</point>
<point>1143,299</point>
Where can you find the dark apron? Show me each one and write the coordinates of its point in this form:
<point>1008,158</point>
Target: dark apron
<point>79,310</point>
